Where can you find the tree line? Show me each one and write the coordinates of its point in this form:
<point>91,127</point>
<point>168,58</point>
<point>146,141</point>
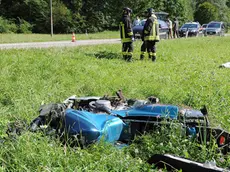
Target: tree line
<point>80,16</point>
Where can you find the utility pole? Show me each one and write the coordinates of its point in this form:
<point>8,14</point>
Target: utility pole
<point>51,18</point>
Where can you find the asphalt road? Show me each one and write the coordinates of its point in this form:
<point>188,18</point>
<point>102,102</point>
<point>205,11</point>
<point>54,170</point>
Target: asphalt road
<point>58,44</point>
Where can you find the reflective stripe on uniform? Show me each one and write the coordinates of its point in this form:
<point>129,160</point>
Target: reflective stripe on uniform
<point>122,29</point>
<point>123,38</point>
<point>130,53</point>
<point>152,54</point>
<point>143,52</point>
<point>152,38</point>
<point>154,33</point>
<point>130,33</point>
<point>124,53</point>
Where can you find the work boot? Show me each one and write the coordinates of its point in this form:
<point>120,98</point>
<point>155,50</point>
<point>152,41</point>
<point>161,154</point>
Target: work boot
<point>125,57</point>
<point>141,57</point>
<point>129,58</point>
<point>154,58</point>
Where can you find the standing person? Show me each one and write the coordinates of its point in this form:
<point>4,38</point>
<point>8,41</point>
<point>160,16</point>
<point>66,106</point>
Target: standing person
<point>176,28</point>
<point>151,33</point>
<point>143,45</point>
<point>137,21</point>
<point>169,22</point>
<point>126,33</point>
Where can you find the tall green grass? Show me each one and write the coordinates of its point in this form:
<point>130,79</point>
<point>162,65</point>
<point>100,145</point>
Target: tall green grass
<point>186,73</point>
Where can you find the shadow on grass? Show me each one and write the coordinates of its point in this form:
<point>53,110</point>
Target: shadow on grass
<point>107,55</point>
<point>6,101</point>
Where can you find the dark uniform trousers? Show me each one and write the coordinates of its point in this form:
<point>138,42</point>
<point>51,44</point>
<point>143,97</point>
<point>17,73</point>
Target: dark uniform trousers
<point>126,34</point>
<point>143,50</point>
<point>150,46</point>
<point>127,50</point>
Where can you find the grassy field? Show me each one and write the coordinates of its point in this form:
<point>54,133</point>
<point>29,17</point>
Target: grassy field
<point>186,73</point>
<point>13,38</point>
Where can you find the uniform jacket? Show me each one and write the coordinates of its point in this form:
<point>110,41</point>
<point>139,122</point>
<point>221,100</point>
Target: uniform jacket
<point>126,30</point>
<point>151,29</point>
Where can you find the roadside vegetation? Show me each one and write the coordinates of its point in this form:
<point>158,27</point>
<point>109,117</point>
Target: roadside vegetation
<point>16,38</point>
<point>33,16</point>
<point>186,73</point>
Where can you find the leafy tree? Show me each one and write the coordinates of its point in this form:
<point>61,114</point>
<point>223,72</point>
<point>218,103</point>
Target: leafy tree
<point>223,10</point>
<point>11,8</point>
<point>182,9</point>
<point>74,5</point>
<point>206,12</point>
<point>189,9</point>
<point>93,16</point>
<point>78,23</point>
<point>221,7</point>
<point>228,3</point>
<point>92,12</point>
<point>62,18</point>
<point>37,12</point>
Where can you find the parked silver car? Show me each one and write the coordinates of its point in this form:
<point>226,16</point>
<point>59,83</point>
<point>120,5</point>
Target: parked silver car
<point>215,28</point>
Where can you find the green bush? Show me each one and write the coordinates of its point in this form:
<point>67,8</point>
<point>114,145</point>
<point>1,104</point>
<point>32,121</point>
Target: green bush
<point>24,27</point>
<point>206,12</point>
<point>7,26</point>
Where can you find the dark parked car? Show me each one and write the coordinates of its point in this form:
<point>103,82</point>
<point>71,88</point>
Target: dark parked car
<point>215,28</point>
<point>163,27</point>
<point>190,29</point>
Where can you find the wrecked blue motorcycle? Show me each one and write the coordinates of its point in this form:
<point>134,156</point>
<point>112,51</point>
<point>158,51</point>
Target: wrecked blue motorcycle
<point>116,119</point>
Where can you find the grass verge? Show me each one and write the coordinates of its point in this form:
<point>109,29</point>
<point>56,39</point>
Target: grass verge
<point>15,38</point>
<point>186,73</point>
